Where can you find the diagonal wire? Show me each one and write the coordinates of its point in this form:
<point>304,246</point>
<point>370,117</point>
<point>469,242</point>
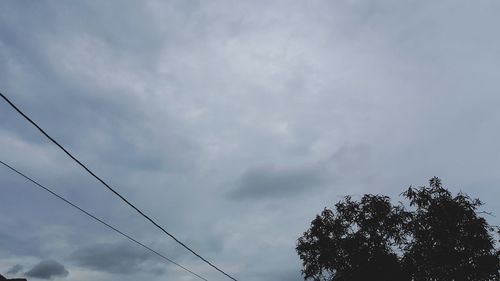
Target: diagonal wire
<point>100,220</point>
<point>113,190</point>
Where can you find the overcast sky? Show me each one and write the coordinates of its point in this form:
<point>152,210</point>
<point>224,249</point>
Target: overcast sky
<point>233,123</point>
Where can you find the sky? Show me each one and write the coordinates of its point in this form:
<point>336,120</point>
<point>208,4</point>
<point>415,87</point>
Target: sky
<point>233,123</point>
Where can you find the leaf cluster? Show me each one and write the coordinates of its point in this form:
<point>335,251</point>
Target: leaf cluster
<point>441,238</point>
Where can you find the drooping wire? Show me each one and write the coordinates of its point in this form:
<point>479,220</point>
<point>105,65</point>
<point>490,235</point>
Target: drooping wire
<point>113,190</point>
<point>100,220</point>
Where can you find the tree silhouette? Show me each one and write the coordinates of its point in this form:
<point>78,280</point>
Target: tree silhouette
<point>440,238</point>
<point>356,242</point>
<point>449,240</point>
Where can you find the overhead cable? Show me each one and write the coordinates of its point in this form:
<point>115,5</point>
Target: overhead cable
<point>100,220</point>
<point>112,189</point>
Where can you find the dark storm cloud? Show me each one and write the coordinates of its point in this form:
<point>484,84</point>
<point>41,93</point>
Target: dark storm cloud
<point>15,269</point>
<point>119,258</point>
<point>277,182</point>
<point>47,269</point>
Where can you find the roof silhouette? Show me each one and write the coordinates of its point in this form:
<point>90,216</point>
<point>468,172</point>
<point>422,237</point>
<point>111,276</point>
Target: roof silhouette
<point>2,278</point>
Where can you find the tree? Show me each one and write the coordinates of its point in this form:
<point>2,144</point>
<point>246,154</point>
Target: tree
<point>356,242</point>
<point>450,241</point>
<point>441,238</point>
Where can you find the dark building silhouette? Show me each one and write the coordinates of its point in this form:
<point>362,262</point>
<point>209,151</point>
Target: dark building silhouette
<point>14,279</point>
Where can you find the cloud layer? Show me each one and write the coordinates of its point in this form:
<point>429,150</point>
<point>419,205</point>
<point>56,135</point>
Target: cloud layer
<point>15,269</point>
<point>118,258</point>
<point>47,269</point>
<point>268,182</point>
<point>234,123</point>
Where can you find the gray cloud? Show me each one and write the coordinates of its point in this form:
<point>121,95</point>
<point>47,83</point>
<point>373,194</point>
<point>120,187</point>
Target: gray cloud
<point>273,181</point>
<point>288,275</point>
<point>171,100</point>
<point>47,269</point>
<point>15,269</point>
<point>24,243</point>
<point>277,182</point>
<point>119,258</point>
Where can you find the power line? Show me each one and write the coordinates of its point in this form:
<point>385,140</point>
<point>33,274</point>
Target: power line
<point>113,190</point>
<point>100,220</point>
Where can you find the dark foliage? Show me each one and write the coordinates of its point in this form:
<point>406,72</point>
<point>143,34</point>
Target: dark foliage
<point>449,240</point>
<point>440,238</point>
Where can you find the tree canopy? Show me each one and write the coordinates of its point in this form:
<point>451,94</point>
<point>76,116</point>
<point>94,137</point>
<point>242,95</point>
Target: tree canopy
<point>438,237</point>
